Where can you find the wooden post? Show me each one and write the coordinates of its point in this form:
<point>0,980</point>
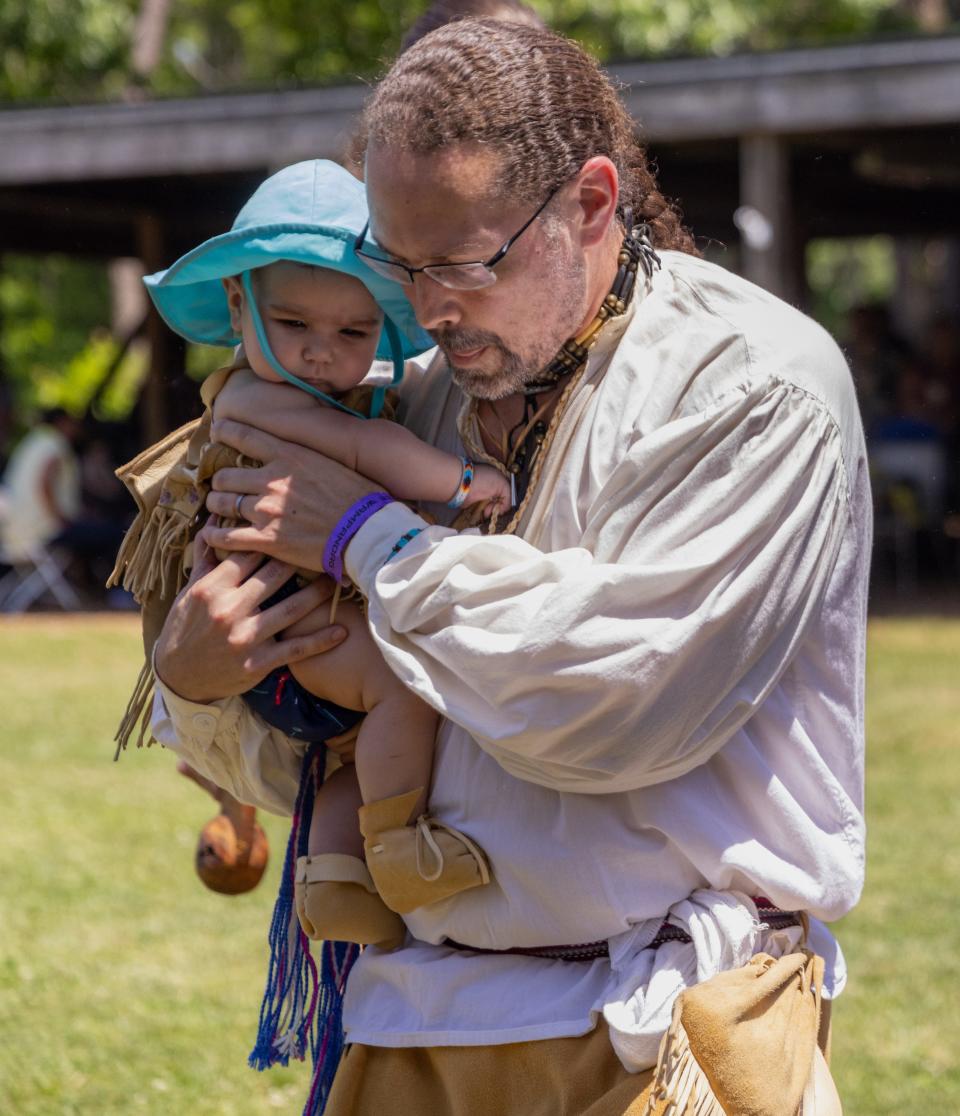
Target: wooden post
<point>154,417</point>
<point>764,214</point>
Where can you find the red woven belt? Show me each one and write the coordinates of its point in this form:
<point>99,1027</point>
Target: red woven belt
<point>771,917</point>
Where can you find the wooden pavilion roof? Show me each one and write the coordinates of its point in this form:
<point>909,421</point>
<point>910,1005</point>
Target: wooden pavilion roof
<point>873,131</point>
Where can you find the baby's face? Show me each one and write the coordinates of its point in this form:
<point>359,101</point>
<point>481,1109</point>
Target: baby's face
<point>322,325</point>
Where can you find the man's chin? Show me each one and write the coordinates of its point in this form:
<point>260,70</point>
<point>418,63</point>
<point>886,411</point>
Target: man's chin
<point>482,380</point>
<point>482,385</point>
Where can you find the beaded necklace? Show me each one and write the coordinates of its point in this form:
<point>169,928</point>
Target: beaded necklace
<point>527,443</point>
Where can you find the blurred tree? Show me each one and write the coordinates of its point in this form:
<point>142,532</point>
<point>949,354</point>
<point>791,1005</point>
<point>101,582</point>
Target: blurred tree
<point>931,15</point>
<point>64,49</point>
<point>843,274</point>
<point>646,28</point>
<point>69,50</point>
<point>51,308</point>
<point>91,50</point>
<point>55,345</point>
<point>149,35</point>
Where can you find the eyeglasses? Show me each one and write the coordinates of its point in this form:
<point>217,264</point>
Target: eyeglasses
<point>458,276</point>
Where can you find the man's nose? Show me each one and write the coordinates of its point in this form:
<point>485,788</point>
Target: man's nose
<point>435,306</point>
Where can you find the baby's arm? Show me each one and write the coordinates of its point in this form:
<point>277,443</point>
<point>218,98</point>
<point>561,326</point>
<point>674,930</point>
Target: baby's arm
<point>383,451</point>
<point>410,469</point>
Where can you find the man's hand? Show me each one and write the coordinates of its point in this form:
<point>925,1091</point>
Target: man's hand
<point>291,503</point>
<point>216,642</point>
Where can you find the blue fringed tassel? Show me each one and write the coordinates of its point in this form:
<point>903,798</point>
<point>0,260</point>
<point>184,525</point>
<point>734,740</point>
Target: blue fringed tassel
<point>291,988</point>
<point>326,1040</point>
<point>300,1008</point>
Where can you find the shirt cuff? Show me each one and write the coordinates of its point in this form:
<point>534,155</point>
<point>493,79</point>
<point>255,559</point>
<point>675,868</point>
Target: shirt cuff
<point>190,721</point>
<point>370,547</point>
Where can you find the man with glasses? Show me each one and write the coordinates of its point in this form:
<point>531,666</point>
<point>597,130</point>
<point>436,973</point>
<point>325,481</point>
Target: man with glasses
<point>650,670</point>
<point>466,276</point>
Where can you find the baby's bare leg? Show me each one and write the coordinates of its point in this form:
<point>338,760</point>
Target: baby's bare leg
<point>395,745</point>
<point>333,827</point>
<point>335,895</point>
<point>394,750</point>
<point>408,865</point>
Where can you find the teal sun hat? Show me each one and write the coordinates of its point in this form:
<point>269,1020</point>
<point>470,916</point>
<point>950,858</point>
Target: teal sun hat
<point>311,213</point>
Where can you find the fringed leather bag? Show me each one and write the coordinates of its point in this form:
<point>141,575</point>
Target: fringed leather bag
<point>744,1043</point>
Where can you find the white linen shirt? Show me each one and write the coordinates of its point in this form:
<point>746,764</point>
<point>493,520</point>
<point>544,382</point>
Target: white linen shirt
<point>652,693</point>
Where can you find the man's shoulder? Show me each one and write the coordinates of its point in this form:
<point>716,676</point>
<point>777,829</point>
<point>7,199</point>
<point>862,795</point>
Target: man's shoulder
<point>718,333</point>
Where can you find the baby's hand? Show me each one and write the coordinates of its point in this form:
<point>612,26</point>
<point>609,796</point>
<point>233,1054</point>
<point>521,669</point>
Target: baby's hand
<point>490,488</point>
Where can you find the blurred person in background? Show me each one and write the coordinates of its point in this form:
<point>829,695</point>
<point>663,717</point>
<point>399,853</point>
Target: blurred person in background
<point>942,358</point>
<point>42,481</point>
<point>909,398</point>
<point>879,359</point>
<point>942,367</point>
<point>43,485</point>
<point>103,495</point>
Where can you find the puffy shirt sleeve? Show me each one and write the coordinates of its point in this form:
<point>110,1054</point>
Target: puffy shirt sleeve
<point>629,658</point>
<point>229,744</point>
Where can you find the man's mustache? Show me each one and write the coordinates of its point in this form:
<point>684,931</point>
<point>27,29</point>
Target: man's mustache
<point>464,340</point>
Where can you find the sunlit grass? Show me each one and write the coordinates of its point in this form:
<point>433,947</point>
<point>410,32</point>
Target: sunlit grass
<point>895,1044</point>
<point>125,987</point>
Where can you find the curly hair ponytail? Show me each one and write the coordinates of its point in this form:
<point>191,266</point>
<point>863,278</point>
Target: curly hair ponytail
<point>537,99</point>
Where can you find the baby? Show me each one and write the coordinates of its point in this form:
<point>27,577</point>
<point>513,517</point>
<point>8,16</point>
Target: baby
<point>286,282</point>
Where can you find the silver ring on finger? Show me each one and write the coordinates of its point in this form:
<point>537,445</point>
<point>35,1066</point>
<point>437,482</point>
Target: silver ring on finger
<point>237,507</point>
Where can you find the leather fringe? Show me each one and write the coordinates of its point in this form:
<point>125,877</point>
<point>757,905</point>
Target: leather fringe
<point>680,1087</point>
<point>136,717</point>
<point>150,559</point>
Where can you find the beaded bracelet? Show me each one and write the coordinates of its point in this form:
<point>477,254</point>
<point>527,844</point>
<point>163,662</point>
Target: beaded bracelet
<point>459,498</point>
<point>402,542</point>
<point>351,522</point>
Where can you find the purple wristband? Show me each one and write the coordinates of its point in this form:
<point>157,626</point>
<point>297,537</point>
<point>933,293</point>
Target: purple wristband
<point>353,519</point>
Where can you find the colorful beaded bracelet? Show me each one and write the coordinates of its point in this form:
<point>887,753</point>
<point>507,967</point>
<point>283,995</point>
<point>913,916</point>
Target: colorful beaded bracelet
<point>459,498</point>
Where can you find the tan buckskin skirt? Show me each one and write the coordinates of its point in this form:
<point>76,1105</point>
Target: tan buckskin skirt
<point>553,1077</point>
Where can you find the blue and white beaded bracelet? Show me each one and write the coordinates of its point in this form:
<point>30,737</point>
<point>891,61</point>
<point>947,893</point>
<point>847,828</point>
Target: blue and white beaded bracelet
<point>408,537</point>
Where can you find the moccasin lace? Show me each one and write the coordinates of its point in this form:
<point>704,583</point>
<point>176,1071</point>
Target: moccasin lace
<point>425,839</point>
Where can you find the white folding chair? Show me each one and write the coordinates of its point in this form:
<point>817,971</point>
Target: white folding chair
<point>34,570</point>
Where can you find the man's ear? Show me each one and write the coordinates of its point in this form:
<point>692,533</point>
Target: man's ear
<point>234,293</point>
<point>597,191</point>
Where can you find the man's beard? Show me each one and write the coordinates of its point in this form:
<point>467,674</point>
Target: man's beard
<point>504,371</point>
<point>512,371</point>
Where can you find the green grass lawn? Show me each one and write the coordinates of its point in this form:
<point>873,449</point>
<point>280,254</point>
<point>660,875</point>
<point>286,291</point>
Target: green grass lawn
<point>126,987</point>
<point>897,1027</point>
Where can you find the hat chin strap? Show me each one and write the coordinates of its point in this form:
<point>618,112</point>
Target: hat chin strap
<point>289,376</point>
<point>396,352</point>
